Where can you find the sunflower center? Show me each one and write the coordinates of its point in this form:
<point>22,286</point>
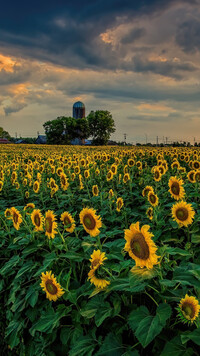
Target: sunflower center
<point>95,263</point>
<point>51,288</point>
<point>146,191</point>
<point>182,214</point>
<point>67,221</point>
<point>196,165</point>
<point>152,198</point>
<point>139,246</point>
<point>188,310</point>
<point>175,188</point>
<point>37,220</point>
<point>63,180</point>
<point>15,218</point>
<point>48,224</point>
<point>89,222</point>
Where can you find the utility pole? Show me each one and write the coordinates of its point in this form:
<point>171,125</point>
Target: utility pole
<point>125,138</point>
<point>156,140</point>
<point>146,138</point>
<point>15,134</point>
<point>194,141</point>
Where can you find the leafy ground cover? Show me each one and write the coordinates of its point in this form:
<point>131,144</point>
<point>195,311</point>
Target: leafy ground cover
<point>99,251</point>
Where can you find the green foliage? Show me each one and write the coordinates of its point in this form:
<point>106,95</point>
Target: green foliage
<point>64,129</point>
<point>101,125</point>
<point>4,134</point>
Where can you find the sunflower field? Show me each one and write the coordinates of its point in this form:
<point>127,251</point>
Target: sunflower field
<point>100,251</point>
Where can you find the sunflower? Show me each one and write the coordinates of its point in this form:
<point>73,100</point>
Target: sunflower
<point>1,185</point>
<point>190,176</point>
<point>87,173</point>
<point>139,165</point>
<point>152,198</point>
<point>149,213</point>
<point>97,172</point>
<point>90,221</point>
<point>26,194</point>
<point>64,181</point>
<point>183,213</point>
<point>8,214</point>
<point>50,224</point>
<point>131,162</point>
<point>110,194</point>
<point>197,176</point>
<point>95,190</point>
<point>176,188</point>
<point>188,309</point>
<point>175,164</point>
<point>97,258</point>
<point>29,208</point>
<point>68,221</point>
<point>97,279</point>
<point>109,175</point>
<point>161,169</point>
<point>37,220</point>
<point>77,170</point>
<point>157,175</point>
<point>126,177</point>
<point>52,288</point>
<point>119,204</point>
<point>195,164</point>
<point>114,168</point>
<point>36,186</point>
<point>146,190</point>
<point>140,246</point>
<point>16,217</point>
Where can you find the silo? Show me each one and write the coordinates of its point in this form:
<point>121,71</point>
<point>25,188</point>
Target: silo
<point>78,110</point>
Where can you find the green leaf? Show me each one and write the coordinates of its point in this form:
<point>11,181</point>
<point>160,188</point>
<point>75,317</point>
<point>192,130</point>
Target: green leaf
<point>145,326</point>
<point>32,296</point>
<point>102,313</point>
<point>177,251</point>
<point>174,347</point>
<point>48,321</point>
<point>28,266</point>
<point>110,347</point>
<point>194,336</point>
<point>50,258</point>
<point>84,346</point>
<point>8,267</point>
<point>12,332</point>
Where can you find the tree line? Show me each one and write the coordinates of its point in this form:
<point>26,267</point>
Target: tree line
<point>98,125</point>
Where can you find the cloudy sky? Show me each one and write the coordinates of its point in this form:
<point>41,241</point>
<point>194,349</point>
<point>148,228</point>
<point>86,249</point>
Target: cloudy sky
<point>138,59</point>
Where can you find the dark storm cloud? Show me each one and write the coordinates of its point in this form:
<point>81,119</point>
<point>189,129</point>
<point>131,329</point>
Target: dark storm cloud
<point>67,33</point>
<point>133,35</point>
<point>160,118</point>
<point>188,35</point>
<point>166,68</point>
<point>14,107</point>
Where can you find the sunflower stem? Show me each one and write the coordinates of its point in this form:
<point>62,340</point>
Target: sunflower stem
<point>99,243</point>
<point>151,298</point>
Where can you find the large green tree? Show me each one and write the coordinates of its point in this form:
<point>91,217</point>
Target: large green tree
<point>101,126</point>
<point>4,134</point>
<point>63,130</point>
